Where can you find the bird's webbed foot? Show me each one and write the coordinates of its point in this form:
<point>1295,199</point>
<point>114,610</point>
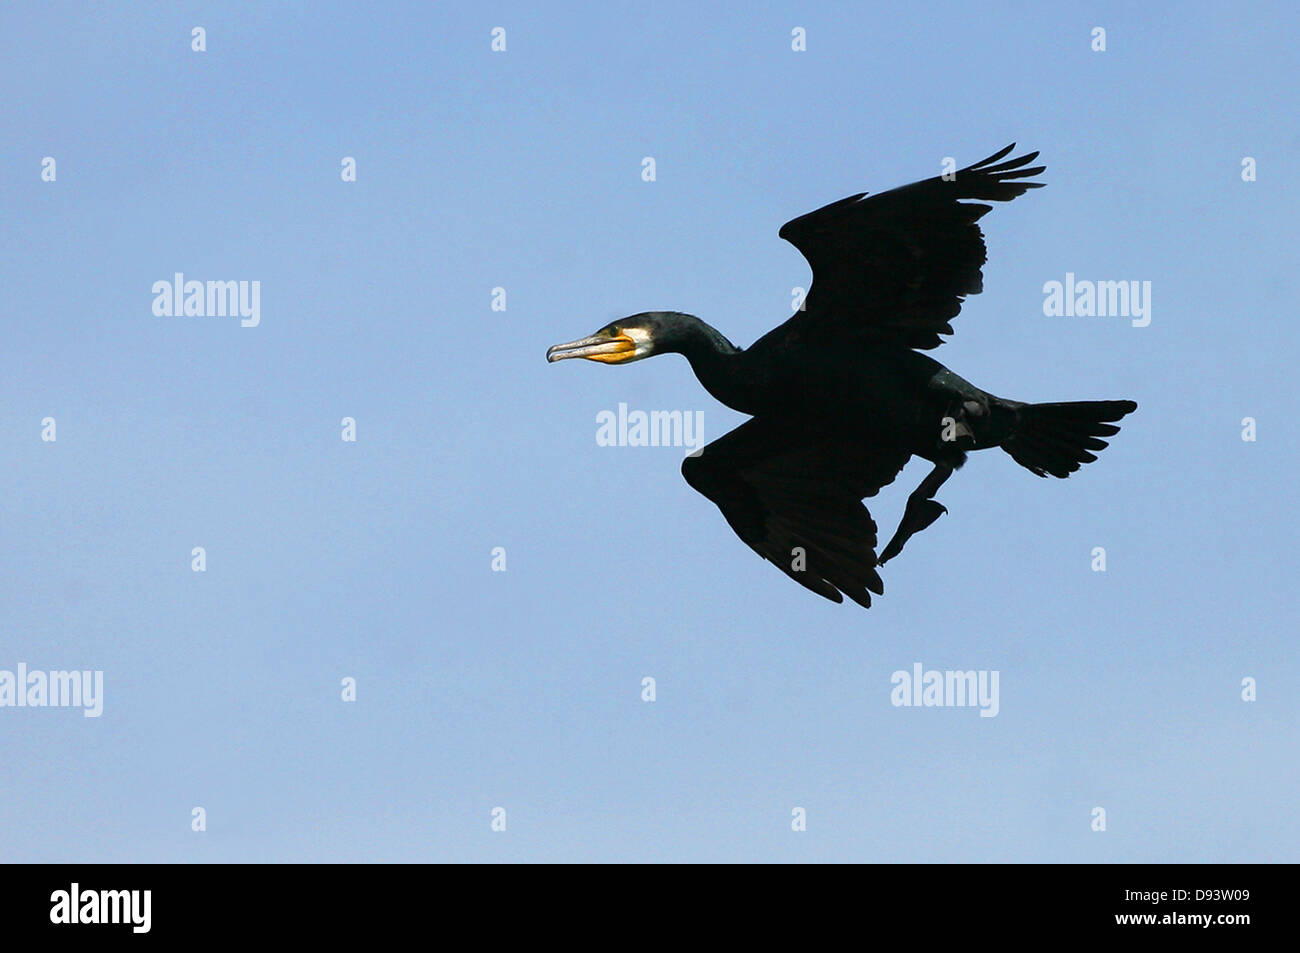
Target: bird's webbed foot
<point>918,515</point>
<point>921,511</point>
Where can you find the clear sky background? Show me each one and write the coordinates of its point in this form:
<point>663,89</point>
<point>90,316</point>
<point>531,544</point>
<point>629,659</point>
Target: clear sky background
<point>522,689</point>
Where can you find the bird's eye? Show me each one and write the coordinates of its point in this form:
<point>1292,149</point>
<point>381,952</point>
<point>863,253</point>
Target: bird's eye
<point>612,331</point>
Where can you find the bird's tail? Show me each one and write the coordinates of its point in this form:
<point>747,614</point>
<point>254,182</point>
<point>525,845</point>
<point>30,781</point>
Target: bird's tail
<point>1059,438</point>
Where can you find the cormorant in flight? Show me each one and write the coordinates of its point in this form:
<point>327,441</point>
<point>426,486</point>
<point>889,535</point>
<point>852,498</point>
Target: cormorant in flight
<point>840,395</point>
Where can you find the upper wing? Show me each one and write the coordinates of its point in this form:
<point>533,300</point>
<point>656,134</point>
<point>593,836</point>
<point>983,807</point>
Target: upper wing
<point>782,490</point>
<point>895,267</point>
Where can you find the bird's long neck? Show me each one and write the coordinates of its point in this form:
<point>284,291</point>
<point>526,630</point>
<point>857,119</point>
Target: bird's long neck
<point>717,363</point>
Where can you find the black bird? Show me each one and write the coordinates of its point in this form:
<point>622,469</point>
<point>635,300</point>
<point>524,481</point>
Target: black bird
<point>840,395</point>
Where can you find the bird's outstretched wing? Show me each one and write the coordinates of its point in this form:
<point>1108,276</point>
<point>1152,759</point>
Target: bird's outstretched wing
<point>796,499</point>
<point>895,267</point>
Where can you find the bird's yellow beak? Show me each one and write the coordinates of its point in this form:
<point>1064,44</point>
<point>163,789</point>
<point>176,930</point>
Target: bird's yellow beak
<point>598,347</point>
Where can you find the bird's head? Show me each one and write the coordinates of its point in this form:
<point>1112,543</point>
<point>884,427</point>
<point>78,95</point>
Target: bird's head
<point>629,339</point>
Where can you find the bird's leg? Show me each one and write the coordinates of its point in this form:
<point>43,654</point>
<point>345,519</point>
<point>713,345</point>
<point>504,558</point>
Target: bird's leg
<point>921,510</point>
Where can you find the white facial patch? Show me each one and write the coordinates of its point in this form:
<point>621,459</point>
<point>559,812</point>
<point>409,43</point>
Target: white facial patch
<point>643,340</point>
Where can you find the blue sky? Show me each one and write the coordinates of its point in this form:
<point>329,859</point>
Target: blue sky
<point>521,689</point>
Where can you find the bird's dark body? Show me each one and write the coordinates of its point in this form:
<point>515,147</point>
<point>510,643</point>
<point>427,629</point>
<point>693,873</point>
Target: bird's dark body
<point>840,395</point>
<point>888,396</point>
